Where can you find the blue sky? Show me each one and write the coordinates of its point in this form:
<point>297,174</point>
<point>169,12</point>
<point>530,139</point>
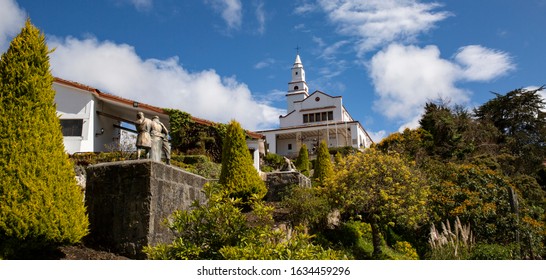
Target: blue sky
<point>231,59</point>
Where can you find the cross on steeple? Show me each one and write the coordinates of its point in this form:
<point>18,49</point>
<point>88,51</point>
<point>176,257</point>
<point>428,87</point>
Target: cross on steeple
<point>297,49</point>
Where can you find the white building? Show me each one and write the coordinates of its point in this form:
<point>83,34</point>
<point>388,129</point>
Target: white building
<point>312,118</point>
<point>93,121</point>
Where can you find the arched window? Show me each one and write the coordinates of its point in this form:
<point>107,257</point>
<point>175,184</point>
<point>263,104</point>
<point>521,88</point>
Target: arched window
<point>296,88</point>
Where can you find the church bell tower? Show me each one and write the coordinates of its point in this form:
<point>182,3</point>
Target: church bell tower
<point>297,87</point>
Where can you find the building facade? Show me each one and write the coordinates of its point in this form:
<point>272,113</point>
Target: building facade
<point>312,118</point>
<point>94,121</point>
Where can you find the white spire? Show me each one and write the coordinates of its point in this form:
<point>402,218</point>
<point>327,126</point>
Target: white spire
<point>297,87</point>
<point>298,60</point>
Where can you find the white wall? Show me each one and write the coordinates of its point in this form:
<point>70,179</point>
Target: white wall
<point>76,104</point>
<point>311,105</point>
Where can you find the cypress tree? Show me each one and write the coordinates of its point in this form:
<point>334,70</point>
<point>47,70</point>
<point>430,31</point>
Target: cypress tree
<point>302,162</point>
<point>238,175</point>
<point>323,166</point>
<point>41,204</point>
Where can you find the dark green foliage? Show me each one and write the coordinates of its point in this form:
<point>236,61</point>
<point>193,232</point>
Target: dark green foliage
<point>415,144</point>
<point>191,137</point>
<point>302,162</point>
<point>41,205</point>
<point>197,164</point>
<point>219,230</point>
<point>272,162</point>
<point>306,206</point>
<point>477,196</point>
<point>204,230</point>
<point>324,167</point>
<point>344,151</point>
<point>238,175</point>
<point>519,117</point>
<point>495,252</point>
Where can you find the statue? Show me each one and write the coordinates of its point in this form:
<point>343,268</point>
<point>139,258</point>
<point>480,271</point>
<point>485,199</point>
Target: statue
<point>144,139</point>
<point>160,141</point>
<point>288,165</point>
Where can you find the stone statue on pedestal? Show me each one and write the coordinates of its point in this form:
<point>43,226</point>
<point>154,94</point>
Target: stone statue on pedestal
<point>160,141</point>
<point>144,139</point>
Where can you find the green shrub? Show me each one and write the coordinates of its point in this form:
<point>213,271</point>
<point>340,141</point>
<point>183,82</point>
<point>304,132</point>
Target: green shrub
<point>41,204</point>
<point>302,162</point>
<point>238,175</point>
<point>272,162</point>
<point>324,167</point>
<point>219,230</point>
<point>202,231</point>
<point>344,151</point>
<point>405,251</point>
<point>306,206</point>
<point>495,252</point>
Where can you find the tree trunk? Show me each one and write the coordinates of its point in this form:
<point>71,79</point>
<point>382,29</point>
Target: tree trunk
<point>376,239</point>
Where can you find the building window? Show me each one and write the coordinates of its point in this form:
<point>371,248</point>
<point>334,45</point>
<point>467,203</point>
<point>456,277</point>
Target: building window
<point>318,117</point>
<point>296,73</point>
<point>296,88</point>
<point>290,147</point>
<point>72,127</point>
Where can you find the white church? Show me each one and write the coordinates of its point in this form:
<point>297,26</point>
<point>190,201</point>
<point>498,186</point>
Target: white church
<point>312,118</point>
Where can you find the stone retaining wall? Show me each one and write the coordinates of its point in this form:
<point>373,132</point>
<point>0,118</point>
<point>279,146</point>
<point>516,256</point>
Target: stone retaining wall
<point>278,183</point>
<point>128,203</point>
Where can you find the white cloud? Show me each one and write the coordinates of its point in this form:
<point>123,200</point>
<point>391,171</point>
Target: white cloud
<point>377,136</point>
<point>264,63</point>
<point>406,77</point>
<point>377,23</point>
<point>304,7</point>
<point>141,4</point>
<point>260,17</point>
<point>331,51</point>
<point>117,69</point>
<point>483,64</point>
<point>12,19</point>
<point>231,11</point>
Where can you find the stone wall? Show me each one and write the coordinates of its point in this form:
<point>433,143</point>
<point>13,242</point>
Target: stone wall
<point>128,203</point>
<point>278,183</point>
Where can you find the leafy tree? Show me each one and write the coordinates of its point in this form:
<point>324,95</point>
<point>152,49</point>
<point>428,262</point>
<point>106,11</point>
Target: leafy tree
<point>519,116</point>
<point>191,137</point>
<point>478,196</point>
<point>415,144</point>
<point>382,189</point>
<point>302,162</point>
<point>238,174</point>
<point>323,165</point>
<point>41,204</point>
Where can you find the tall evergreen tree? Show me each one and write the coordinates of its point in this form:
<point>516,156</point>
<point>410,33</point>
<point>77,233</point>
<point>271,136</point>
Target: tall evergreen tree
<point>520,118</point>
<point>323,165</point>
<point>238,174</point>
<point>41,204</point>
<point>302,162</point>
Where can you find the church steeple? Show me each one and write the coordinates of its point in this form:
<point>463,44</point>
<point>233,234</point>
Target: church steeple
<point>298,84</point>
